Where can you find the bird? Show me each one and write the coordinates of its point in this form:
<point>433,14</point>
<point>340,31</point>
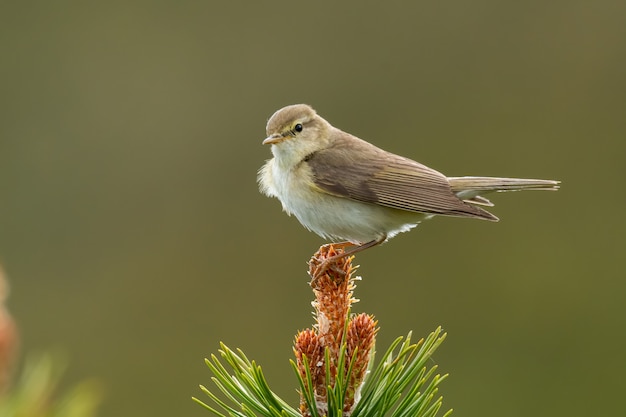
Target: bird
<point>350,191</point>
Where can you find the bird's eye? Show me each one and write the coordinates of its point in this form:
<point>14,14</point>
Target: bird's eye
<point>298,127</point>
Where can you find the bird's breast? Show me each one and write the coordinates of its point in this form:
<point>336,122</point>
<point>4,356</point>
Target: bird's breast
<point>332,217</point>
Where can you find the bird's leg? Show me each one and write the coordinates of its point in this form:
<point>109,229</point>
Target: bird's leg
<point>331,261</point>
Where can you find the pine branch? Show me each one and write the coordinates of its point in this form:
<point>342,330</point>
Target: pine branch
<point>334,362</point>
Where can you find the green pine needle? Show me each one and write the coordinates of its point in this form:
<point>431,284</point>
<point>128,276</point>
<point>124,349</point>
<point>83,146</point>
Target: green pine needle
<point>400,386</point>
<point>36,392</point>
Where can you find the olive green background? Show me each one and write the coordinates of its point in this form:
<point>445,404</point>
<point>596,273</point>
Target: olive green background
<point>135,238</point>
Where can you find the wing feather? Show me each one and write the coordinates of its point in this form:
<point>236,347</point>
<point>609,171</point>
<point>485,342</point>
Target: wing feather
<point>358,170</point>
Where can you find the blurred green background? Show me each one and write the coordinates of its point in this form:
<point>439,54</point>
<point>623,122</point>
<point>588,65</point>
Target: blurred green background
<point>135,238</point>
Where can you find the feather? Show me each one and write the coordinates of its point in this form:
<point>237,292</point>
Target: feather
<point>352,168</point>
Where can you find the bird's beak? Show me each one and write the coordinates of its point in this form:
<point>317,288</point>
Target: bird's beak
<point>275,138</point>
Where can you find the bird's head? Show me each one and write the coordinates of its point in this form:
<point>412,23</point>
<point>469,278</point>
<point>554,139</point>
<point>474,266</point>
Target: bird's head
<point>295,132</point>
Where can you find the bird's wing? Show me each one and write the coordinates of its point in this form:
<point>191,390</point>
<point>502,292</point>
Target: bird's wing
<point>360,171</point>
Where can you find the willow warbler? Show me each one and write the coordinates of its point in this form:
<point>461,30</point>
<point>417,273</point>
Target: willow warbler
<point>346,189</point>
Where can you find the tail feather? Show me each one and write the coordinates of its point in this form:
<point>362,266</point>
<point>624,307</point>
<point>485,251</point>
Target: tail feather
<point>479,201</point>
<point>469,188</point>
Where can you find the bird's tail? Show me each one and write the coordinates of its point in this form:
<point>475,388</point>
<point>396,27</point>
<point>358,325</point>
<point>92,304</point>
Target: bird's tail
<point>470,189</point>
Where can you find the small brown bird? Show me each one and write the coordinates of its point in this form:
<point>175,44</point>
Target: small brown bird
<point>346,189</point>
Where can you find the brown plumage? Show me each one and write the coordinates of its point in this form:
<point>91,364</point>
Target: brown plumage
<point>344,188</point>
<point>379,177</point>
